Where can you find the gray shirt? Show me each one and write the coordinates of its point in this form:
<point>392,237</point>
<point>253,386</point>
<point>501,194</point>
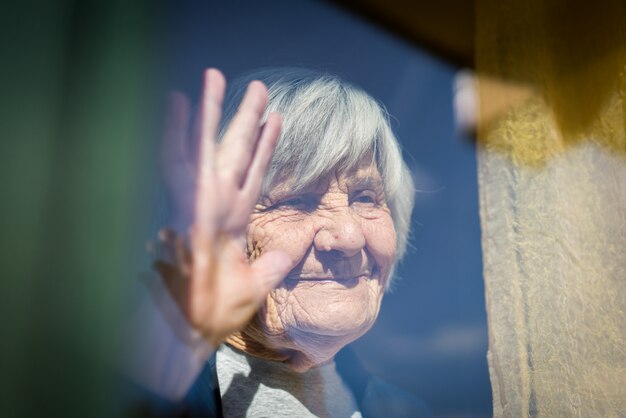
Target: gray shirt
<point>252,387</point>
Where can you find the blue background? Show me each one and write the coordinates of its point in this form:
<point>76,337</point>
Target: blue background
<point>431,335</point>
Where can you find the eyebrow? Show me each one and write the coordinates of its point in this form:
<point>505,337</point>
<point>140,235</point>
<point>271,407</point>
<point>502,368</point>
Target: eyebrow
<point>365,182</point>
<point>368,182</point>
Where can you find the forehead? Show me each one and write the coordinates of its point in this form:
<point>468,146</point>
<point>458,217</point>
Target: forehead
<point>365,171</point>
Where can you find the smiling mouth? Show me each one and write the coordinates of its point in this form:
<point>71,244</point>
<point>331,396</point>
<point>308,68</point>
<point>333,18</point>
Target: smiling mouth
<point>329,278</point>
<point>325,279</point>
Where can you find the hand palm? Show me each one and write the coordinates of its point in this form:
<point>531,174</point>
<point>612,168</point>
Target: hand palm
<point>215,286</point>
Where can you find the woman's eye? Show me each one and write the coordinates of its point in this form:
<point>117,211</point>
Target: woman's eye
<point>294,201</point>
<point>367,198</point>
<point>297,203</point>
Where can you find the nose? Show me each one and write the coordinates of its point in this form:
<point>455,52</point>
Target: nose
<point>340,231</point>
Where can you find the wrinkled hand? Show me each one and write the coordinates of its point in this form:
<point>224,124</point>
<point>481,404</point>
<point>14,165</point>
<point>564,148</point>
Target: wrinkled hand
<point>213,283</point>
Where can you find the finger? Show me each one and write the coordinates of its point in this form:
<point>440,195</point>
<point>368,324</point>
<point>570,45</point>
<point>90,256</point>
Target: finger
<point>176,164</point>
<point>240,139</point>
<point>212,98</point>
<point>214,85</point>
<point>270,269</point>
<point>261,159</point>
<point>174,148</point>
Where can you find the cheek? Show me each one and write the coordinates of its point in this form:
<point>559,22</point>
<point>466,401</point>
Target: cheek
<point>380,238</point>
<point>265,233</point>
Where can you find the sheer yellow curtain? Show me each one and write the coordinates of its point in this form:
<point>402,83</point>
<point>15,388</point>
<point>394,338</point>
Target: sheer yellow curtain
<point>552,178</point>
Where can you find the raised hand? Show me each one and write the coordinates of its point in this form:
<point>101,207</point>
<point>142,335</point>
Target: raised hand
<point>215,286</point>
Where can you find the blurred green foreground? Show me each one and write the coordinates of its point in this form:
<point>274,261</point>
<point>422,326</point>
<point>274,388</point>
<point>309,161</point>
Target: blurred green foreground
<point>77,99</point>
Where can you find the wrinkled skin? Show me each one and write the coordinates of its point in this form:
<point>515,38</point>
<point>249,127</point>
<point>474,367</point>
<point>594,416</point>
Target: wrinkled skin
<point>334,242</point>
<point>340,237</point>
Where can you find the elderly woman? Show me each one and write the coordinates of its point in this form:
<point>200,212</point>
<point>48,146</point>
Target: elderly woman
<point>301,208</point>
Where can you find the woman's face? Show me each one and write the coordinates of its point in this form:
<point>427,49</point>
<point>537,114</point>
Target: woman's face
<point>342,242</point>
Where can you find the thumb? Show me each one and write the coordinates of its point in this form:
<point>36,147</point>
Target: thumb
<point>270,269</point>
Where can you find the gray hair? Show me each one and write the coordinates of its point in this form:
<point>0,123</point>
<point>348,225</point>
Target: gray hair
<point>328,123</point>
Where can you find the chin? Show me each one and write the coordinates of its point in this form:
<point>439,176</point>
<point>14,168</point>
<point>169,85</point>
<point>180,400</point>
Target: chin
<point>310,348</point>
<point>315,351</point>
